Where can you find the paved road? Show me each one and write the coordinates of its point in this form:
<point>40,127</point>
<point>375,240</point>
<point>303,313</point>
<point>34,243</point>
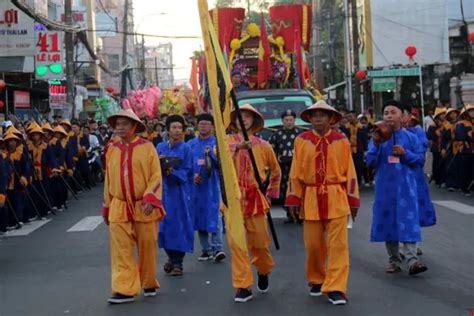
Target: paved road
<point>62,268</point>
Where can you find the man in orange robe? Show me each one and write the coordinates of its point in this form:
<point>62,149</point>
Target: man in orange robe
<point>323,183</point>
<point>132,209</point>
<point>255,205</point>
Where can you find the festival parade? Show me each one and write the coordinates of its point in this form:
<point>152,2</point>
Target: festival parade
<point>236,157</point>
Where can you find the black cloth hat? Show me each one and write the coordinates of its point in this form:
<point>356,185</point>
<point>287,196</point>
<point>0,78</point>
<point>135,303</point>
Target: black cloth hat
<point>205,117</point>
<point>174,118</point>
<point>288,113</point>
<point>394,103</point>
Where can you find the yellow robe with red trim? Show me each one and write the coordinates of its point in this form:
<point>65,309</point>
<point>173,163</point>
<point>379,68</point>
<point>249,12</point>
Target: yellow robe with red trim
<point>254,202</point>
<point>323,179</point>
<point>133,178</point>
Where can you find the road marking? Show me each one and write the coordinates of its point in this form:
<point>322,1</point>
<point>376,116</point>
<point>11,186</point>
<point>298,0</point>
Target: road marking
<point>27,229</point>
<point>88,223</point>
<point>278,212</point>
<point>457,206</point>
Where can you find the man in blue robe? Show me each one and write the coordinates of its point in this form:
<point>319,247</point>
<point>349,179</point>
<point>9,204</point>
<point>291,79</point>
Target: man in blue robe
<point>396,216</point>
<point>206,190</point>
<point>176,234</point>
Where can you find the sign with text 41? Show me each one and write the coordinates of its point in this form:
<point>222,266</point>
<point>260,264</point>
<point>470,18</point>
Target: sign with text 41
<point>49,55</point>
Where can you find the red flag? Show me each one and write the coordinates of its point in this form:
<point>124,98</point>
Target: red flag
<point>264,53</point>
<point>193,80</point>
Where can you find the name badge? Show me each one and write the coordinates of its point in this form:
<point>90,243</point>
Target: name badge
<point>201,162</point>
<point>393,159</point>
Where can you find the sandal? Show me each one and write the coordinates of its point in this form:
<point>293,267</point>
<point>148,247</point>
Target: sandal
<point>177,271</point>
<point>168,267</point>
<point>417,268</point>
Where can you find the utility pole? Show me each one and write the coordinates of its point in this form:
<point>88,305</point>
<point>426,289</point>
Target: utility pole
<point>69,58</point>
<point>317,22</point>
<point>348,59</point>
<point>123,88</point>
<point>156,73</point>
<point>143,62</point>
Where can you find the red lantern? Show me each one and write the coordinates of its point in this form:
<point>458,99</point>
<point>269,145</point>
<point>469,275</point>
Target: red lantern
<point>361,75</point>
<point>410,51</point>
<point>471,37</point>
<point>2,105</point>
<point>2,85</point>
<point>110,89</point>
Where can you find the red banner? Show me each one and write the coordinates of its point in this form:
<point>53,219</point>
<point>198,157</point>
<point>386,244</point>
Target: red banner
<point>228,23</point>
<point>291,18</point>
<point>21,99</point>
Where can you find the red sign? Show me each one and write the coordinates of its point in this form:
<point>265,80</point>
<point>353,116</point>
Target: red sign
<point>21,99</point>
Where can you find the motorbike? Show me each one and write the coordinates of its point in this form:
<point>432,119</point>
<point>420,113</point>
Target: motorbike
<point>94,156</point>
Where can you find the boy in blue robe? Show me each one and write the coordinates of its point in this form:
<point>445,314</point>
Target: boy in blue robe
<point>396,216</point>
<point>176,233</point>
<point>206,190</point>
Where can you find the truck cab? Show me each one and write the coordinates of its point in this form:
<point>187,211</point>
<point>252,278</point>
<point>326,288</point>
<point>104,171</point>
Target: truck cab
<point>272,103</point>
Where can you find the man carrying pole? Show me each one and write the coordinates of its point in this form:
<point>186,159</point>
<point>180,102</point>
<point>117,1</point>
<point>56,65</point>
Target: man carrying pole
<point>132,209</point>
<point>255,203</point>
<point>242,278</point>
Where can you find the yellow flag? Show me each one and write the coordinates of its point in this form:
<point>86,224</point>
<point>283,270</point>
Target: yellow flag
<point>236,236</point>
<point>222,67</point>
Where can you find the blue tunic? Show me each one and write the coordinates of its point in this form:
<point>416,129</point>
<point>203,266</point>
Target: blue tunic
<point>395,210</point>
<point>176,229</point>
<point>207,195</point>
<point>426,208</point>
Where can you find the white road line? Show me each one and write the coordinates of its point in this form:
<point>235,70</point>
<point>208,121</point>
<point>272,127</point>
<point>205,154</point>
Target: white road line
<point>457,206</point>
<point>278,212</point>
<point>88,223</point>
<point>27,229</point>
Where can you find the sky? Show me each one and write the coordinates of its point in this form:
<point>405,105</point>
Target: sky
<point>171,18</point>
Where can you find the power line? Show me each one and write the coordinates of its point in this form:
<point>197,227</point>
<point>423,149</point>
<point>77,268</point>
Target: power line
<point>149,35</point>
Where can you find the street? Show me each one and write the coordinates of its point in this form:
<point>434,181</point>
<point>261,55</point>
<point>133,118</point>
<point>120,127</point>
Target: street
<point>51,271</point>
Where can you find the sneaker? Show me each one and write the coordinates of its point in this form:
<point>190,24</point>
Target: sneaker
<point>417,268</point>
<point>316,290</point>
<point>262,284</point>
<point>149,292</point>
<point>120,299</point>
<point>205,256</point>
<point>243,295</point>
<point>337,298</point>
<point>451,189</point>
<point>419,252</point>
<point>393,267</point>
<point>177,271</point>
<point>219,257</point>
<point>289,221</point>
<point>168,267</point>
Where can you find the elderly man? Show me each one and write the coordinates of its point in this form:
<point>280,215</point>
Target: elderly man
<point>132,207</point>
<point>282,141</point>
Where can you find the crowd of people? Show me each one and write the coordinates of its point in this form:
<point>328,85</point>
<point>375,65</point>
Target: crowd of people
<point>313,172</point>
<point>42,165</point>
<point>162,185</point>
